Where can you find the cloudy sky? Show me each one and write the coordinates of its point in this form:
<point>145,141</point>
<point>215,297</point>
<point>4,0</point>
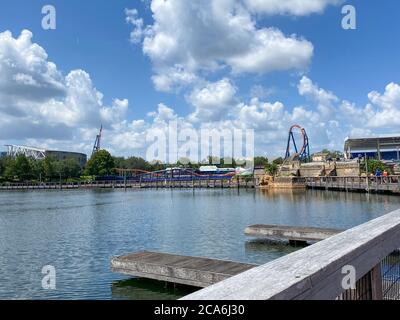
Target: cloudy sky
<point>248,64</point>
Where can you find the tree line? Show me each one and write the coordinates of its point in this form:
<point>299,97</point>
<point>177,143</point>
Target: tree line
<point>22,168</point>
<point>102,163</point>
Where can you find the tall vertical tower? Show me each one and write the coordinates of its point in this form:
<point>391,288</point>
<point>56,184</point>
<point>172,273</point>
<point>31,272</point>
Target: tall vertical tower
<point>97,143</point>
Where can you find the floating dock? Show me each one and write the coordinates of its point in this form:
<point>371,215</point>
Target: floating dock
<point>292,234</point>
<point>192,271</point>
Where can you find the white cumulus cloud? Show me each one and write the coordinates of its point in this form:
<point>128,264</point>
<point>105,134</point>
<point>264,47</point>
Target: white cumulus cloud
<point>38,102</point>
<point>213,101</point>
<point>292,7</point>
<point>210,35</point>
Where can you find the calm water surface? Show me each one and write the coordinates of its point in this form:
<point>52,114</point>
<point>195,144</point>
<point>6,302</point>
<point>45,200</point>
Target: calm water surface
<point>79,231</point>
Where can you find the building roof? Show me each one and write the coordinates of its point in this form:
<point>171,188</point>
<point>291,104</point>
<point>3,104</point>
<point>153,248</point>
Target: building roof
<point>384,143</point>
<point>28,149</point>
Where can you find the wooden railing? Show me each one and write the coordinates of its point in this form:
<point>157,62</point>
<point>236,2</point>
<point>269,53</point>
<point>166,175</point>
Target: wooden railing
<point>320,271</point>
<point>369,184</point>
<point>119,184</point>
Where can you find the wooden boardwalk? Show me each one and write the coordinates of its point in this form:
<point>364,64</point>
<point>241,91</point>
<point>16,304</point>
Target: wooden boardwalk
<point>291,234</point>
<point>356,184</point>
<point>193,271</point>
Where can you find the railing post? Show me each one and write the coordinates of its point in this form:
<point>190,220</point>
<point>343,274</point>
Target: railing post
<point>376,283</point>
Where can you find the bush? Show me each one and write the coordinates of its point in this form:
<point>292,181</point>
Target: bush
<point>373,165</point>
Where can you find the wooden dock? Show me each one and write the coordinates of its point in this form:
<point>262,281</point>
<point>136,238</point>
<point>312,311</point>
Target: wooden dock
<point>292,234</point>
<point>193,271</point>
<point>390,185</point>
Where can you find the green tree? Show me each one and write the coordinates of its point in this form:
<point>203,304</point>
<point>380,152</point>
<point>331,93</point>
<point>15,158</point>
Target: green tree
<point>9,169</point>
<point>372,165</point>
<point>272,168</point>
<point>278,161</point>
<point>38,170</point>
<point>157,166</point>
<point>261,162</point>
<point>49,168</point>
<point>120,162</point>
<point>72,168</point>
<point>100,164</point>
<point>136,163</point>
<point>2,165</point>
<point>132,163</point>
<point>19,168</point>
<point>68,168</point>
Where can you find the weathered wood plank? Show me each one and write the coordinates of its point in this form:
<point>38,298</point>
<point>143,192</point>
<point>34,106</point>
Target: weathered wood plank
<point>193,271</point>
<point>290,233</point>
<point>316,271</point>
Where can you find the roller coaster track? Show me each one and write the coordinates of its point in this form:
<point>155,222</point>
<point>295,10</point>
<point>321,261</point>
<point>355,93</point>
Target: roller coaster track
<point>304,153</point>
<point>163,172</point>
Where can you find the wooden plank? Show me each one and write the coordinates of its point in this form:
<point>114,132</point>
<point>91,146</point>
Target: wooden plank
<point>193,271</point>
<point>316,271</point>
<point>301,234</point>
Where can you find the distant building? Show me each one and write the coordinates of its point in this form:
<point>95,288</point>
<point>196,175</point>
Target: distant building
<point>259,174</point>
<point>320,157</point>
<point>381,148</point>
<point>81,158</point>
<point>39,154</point>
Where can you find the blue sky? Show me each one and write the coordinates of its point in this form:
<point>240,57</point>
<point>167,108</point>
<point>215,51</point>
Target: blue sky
<point>346,86</point>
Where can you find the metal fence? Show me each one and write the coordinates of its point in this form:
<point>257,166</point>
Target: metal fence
<point>391,276</point>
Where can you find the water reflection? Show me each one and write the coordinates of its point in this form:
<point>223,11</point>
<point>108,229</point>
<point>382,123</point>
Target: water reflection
<point>144,289</point>
<point>264,250</point>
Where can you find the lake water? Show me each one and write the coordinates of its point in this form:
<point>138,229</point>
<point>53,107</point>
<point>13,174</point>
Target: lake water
<point>78,232</point>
